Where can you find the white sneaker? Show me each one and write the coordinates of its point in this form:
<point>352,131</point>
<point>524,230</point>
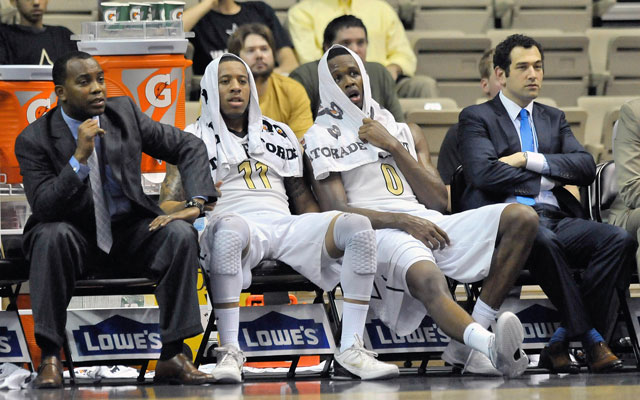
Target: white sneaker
<point>506,352</point>
<point>229,364</point>
<point>359,363</point>
<point>468,360</point>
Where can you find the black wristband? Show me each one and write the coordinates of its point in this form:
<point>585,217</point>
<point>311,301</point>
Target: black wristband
<point>194,203</point>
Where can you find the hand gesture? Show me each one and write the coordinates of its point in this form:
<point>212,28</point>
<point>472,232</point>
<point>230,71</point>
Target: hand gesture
<point>186,214</point>
<point>373,132</point>
<point>425,231</point>
<point>87,132</point>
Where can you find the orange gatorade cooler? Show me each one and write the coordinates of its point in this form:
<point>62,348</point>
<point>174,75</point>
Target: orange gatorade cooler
<point>26,93</point>
<point>145,61</point>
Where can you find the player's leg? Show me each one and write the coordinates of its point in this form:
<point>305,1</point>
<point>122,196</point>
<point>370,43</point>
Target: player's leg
<point>352,237</point>
<point>227,240</point>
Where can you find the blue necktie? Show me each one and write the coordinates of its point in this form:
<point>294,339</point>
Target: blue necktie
<point>526,136</point>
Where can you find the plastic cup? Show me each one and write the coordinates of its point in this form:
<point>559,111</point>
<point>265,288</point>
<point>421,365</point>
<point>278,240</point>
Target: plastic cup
<point>136,11</point>
<point>173,10</point>
<point>157,11</point>
<point>112,11</point>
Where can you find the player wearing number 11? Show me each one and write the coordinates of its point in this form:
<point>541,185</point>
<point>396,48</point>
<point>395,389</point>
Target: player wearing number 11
<point>258,162</point>
<point>366,163</point>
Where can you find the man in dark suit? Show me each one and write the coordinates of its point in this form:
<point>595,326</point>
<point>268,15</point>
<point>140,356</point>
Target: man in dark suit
<point>81,169</point>
<point>515,150</point>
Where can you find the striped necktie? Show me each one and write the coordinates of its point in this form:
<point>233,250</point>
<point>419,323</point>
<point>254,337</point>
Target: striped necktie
<point>526,136</point>
<point>103,218</point>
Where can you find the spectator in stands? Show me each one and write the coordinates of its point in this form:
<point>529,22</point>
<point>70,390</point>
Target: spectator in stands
<point>371,165</point>
<point>281,98</point>
<point>252,221</point>
<point>213,21</point>
<point>350,32</point>
<point>519,151</point>
<point>81,168</point>
<point>625,211</point>
<point>449,158</point>
<point>386,40</point>
<point>30,41</point>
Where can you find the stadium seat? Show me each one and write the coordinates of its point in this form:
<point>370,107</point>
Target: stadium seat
<point>471,16</point>
<point>566,63</point>
<point>191,111</point>
<point>72,21</point>
<point>598,107</point>
<point>609,126</point>
<point>434,125</point>
<point>623,58</point>
<point>427,103</point>
<point>568,15</point>
<point>599,41</point>
<point>453,63</point>
<point>281,7</point>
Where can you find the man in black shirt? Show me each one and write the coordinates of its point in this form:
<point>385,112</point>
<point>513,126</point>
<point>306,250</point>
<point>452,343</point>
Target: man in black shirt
<point>30,41</point>
<point>213,21</point>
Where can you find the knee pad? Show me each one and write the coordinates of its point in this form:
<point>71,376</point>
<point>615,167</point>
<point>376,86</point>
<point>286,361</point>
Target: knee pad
<point>230,237</point>
<point>353,234</point>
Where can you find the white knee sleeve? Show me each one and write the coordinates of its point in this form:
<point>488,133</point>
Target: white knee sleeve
<point>230,235</point>
<point>354,234</point>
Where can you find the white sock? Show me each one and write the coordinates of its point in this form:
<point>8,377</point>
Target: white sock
<point>354,317</point>
<point>478,338</point>
<point>228,324</point>
<point>483,314</point>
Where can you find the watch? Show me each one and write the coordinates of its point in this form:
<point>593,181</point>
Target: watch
<point>194,203</point>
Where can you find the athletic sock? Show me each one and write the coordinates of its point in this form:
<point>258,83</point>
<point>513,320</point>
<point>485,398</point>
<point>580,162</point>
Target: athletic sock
<point>354,317</point>
<point>483,314</point>
<point>560,335</point>
<point>228,325</point>
<point>478,338</point>
<point>591,337</point>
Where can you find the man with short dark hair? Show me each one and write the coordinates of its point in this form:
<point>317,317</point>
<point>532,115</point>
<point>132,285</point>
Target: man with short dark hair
<point>519,151</point>
<point>366,163</point>
<point>80,164</point>
<point>281,98</point>
<point>30,41</point>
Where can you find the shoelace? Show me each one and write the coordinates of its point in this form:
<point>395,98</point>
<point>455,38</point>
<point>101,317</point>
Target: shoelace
<point>229,352</point>
<point>365,351</point>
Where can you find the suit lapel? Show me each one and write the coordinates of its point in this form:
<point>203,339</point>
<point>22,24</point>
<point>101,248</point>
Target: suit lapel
<point>508,130</point>
<point>63,140</point>
<point>542,125</point>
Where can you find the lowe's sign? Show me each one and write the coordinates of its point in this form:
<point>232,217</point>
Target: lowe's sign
<point>539,320</point>
<point>284,330</point>
<point>13,347</point>
<point>128,333</point>
<point>427,338</point>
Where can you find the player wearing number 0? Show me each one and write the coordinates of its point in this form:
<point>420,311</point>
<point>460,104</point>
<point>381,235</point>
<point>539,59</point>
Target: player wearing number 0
<point>366,163</point>
<point>259,164</point>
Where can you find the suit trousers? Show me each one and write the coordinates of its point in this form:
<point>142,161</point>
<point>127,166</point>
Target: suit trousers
<point>60,253</point>
<point>603,255</point>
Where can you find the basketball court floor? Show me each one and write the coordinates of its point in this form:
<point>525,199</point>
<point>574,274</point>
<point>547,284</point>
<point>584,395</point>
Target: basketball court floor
<point>435,385</point>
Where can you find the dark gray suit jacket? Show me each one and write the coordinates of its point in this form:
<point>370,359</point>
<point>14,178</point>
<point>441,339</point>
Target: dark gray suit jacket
<point>56,194</point>
<point>486,133</point>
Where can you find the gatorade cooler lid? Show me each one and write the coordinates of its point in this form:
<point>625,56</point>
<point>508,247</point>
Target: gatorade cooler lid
<point>133,37</point>
<point>25,73</point>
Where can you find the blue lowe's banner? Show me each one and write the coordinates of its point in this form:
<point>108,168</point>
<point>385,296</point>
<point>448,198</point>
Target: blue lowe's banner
<point>427,338</point>
<point>539,319</point>
<point>13,346</point>
<point>284,330</point>
<point>127,333</point>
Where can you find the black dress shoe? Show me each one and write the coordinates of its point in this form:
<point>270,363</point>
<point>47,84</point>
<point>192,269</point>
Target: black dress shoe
<point>179,370</point>
<point>49,374</point>
<point>555,358</point>
<point>600,358</point>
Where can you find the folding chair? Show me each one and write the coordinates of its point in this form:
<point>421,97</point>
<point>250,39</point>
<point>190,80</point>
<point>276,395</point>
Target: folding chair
<point>275,276</point>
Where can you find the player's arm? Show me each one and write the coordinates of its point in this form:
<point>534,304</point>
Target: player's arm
<point>422,176</point>
<point>301,199</point>
<point>332,196</point>
<point>172,197</point>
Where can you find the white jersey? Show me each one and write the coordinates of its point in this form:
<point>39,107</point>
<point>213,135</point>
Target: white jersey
<point>381,186</point>
<point>252,187</point>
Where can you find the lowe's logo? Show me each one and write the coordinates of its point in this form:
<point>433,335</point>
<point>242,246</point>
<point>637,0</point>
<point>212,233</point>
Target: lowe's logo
<point>9,346</point>
<point>279,331</point>
<point>427,335</point>
<point>539,323</point>
<point>118,335</point>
